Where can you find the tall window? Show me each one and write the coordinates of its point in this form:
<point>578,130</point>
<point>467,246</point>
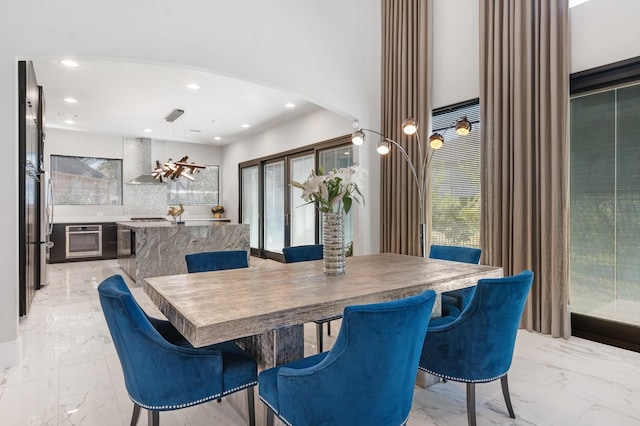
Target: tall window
<point>455,180</point>
<point>86,180</point>
<point>605,204</point>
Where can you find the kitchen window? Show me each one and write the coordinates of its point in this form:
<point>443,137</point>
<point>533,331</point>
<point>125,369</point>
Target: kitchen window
<point>86,180</point>
<point>203,190</point>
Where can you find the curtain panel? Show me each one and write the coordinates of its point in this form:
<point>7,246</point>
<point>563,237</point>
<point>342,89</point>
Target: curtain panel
<point>524,94</point>
<point>406,81</point>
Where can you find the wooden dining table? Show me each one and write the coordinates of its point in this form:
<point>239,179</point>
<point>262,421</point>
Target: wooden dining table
<point>264,308</point>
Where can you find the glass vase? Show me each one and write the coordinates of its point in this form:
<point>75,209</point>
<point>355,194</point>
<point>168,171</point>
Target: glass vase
<point>333,242</point>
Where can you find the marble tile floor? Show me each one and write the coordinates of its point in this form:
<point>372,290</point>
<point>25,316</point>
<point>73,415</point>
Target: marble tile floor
<point>70,374</point>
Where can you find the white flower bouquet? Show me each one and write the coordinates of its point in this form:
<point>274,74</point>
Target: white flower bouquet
<point>334,191</point>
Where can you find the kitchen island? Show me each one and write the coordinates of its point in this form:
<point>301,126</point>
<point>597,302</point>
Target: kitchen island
<point>153,249</point>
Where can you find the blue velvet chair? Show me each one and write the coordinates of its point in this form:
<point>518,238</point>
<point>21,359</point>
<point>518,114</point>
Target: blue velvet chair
<point>305,253</point>
<point>216,260</point>
<point>367,378</point>
<point>453,302</point>
<point>162,371</point>
<point>477,346</point>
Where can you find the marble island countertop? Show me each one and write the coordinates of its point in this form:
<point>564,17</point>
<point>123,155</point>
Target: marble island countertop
<point>127,218</point>
<point>159,224</point>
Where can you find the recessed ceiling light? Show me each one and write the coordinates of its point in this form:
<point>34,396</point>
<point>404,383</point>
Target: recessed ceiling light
<point>69,63</point>
<point>246,126</point>
<point>217,138</point>
<point>290,105</point>
<point>69,121</point>
<point>193,86</point>
<point>70,100</point>
<point>148,130</point>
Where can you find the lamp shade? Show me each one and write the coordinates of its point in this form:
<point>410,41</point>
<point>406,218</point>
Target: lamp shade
<point>410,126</point>
<point>463,126</point>
<point>436,141</point>
<point>383,147</point>
<point>357,138</point>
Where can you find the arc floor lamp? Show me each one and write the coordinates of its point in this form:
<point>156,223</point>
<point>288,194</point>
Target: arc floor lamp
<point>419,166</point>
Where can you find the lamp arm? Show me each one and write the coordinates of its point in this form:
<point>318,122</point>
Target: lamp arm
<point>410,163</point>
<point>424,163</point>
<point>407,159</point>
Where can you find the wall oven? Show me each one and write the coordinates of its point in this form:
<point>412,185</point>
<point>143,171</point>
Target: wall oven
<point>84,241</point>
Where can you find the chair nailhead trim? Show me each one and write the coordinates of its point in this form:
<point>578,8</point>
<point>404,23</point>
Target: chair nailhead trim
<point>289,424</point>
<point>457,379</point>
<point>275,412</point>
<point>196,402</point>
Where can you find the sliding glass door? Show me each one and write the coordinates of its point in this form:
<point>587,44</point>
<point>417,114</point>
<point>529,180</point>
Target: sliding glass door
<point>278,215</point>
<point>337,158</point>
<point>302,216</point>
<point>274,205</point>
<point>250,192</point>
<point>605,204</point>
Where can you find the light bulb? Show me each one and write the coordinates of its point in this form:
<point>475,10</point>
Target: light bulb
<point>357,138</point>
<point>436,141</point>
<point>383,147</point>
<point>463,126</point>
<point>410,126</point>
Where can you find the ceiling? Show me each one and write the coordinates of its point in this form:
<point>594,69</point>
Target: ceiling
<point>126,98</point>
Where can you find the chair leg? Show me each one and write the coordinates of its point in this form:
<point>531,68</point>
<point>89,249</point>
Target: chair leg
<point>251,408</point>
<point>319,337</point>
<point>153,418</point>
<point>471,404</point>
<point>328,328</point>
<point>269,417</point>
<point>507,398</point>
<point>136,414</point>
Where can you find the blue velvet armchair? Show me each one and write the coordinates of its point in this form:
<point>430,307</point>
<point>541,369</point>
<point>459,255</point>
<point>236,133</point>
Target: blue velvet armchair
<point>305,253</point>
<point>477,346</point>
<point>453,302</point>
<point>162,371</point>
<point>216,260</point>
<point>368,376</point>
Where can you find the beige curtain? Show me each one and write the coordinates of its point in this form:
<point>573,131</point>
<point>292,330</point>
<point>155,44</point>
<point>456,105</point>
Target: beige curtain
<point>406,80</point>
<point>524,94</point>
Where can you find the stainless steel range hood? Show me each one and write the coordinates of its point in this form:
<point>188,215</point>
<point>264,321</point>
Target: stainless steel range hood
<point>145,180</point>
<point>147,164</point>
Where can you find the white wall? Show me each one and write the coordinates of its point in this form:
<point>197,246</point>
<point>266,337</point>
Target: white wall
<point>603,32</point>
<point>456,52</point>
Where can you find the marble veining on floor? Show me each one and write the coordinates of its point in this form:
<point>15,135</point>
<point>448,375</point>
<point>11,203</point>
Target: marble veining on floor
<point>70,373</point>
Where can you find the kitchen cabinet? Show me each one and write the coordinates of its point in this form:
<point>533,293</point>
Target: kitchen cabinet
<point>109,241</point>
<point>126,259</point>
<point>58,253</point>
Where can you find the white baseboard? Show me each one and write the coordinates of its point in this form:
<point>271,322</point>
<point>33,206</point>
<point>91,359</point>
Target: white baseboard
<point>11,353</point>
